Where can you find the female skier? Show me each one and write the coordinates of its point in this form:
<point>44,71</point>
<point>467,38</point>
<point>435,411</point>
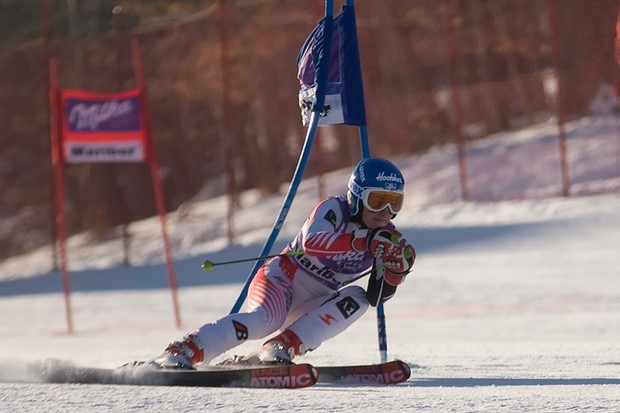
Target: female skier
<point>305,297</point>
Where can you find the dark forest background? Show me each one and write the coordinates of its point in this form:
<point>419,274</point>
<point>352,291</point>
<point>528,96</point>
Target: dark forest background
<point>203,106</point>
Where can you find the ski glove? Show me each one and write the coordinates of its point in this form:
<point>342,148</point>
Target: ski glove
<point>379,242</point>
<point>401,260</point>
<point>388,273</point>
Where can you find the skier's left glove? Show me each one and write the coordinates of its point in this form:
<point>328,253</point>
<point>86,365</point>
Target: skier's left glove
<point>399,264</point>
<point>388,273</point>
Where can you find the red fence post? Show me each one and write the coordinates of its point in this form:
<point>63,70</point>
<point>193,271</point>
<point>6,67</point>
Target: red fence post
<point>155,178</point>
<point>229,146</point>
<point>455,98</point>
<point>559,103</point>
<point>46,30</point>
<point>119,37</point>
<point>59,188</point>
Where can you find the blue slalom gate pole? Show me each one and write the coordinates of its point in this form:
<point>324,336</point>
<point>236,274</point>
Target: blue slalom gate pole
<point>381,329</point>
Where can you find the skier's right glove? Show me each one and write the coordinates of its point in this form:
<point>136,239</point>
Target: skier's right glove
<point>380,242</point>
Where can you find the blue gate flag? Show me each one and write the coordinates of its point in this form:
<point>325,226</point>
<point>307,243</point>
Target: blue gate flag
<point>344,94</point>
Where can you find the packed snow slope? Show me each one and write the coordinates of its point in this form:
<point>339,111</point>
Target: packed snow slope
<point>514,303</point>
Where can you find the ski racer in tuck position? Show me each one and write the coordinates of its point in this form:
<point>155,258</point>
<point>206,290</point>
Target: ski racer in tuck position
<point>305,297</point>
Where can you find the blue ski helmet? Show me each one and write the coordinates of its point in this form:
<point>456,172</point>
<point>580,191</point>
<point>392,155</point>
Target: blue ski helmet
<point>373,174</point>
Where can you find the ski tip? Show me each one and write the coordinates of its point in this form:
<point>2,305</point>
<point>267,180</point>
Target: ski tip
<point>405,369</point>
<point>390,372</point>
<point>307,376</point>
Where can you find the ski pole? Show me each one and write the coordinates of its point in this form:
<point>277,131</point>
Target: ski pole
<point>208,264</point>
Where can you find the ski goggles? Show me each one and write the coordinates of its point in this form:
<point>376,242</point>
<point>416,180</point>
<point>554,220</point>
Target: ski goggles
<point>377,200</point>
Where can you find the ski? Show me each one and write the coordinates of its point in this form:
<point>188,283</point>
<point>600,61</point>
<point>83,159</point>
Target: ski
<point>292,376</point>
<point>391,372</point>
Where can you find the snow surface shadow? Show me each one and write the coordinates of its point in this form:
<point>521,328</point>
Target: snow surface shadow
<point>437,239</point>
<point>485,382</point>
<point>144,277</point>
<point>190,274</point>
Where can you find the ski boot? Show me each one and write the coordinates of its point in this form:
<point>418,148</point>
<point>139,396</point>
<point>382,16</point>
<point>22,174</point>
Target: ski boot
<point>281,349</point>
<point>181,355</point>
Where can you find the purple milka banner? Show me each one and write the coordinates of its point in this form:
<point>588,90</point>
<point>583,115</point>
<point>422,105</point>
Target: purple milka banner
<point>103,128</point>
